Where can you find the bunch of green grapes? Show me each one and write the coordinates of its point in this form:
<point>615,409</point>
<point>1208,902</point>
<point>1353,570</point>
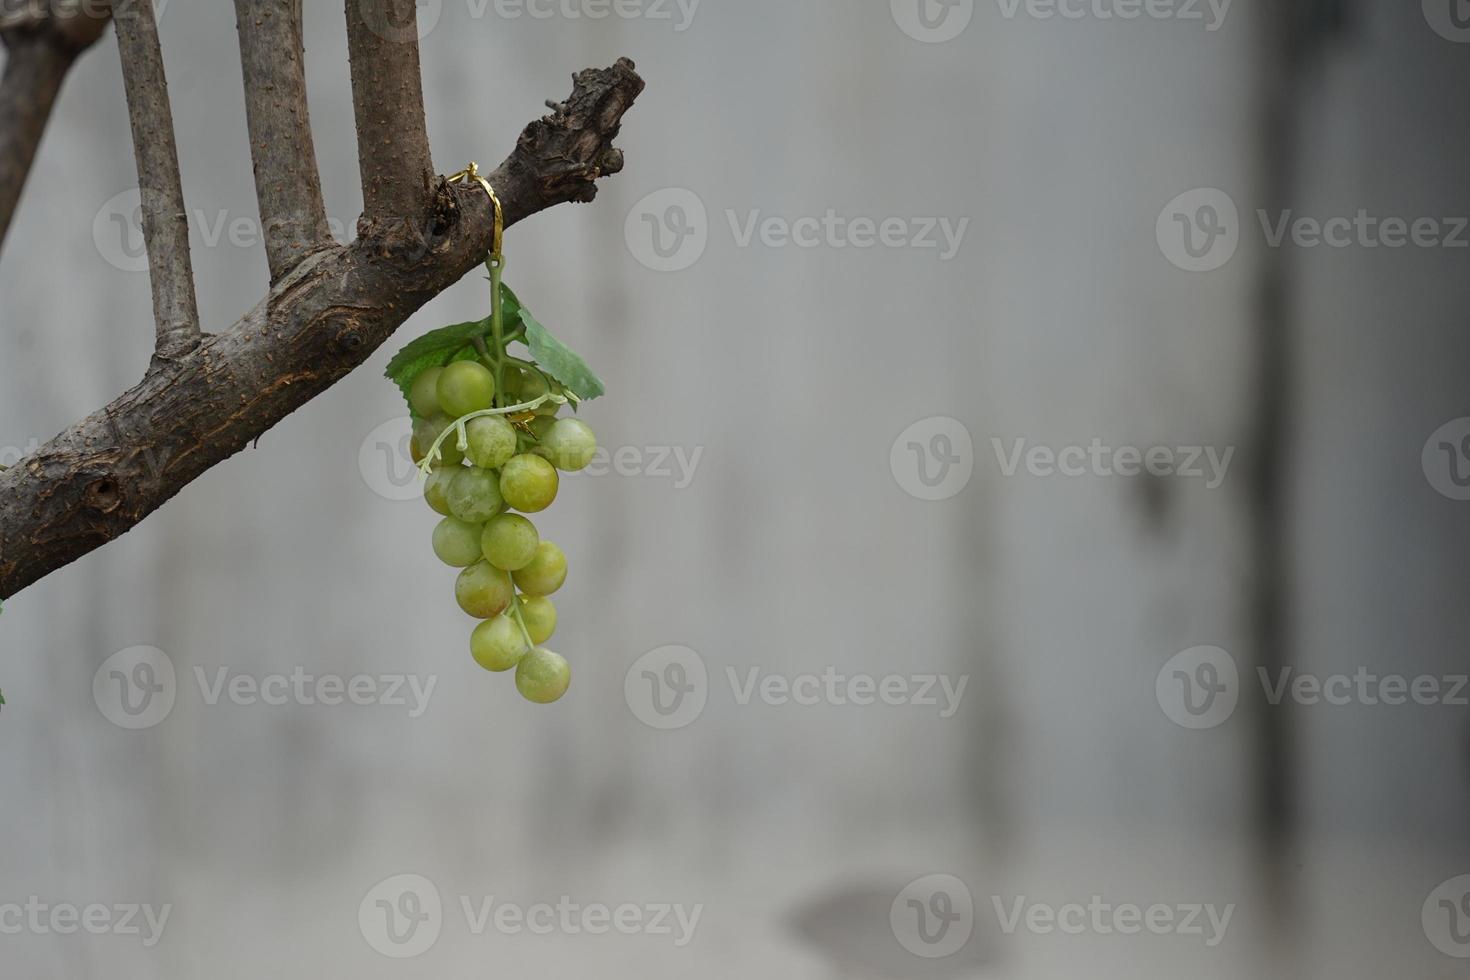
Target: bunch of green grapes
<point>486,473</point>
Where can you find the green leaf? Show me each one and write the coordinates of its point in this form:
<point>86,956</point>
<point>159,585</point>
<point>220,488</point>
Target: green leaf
<point>434,349</point>
<point>553,356</point>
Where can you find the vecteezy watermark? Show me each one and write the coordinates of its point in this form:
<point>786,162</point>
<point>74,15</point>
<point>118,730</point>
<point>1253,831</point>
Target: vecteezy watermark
<point>1199,230</point>
<point>668,688</point>
<point>932,21</point>
<point>403,916</point>
<point>1446,459</point>
<point>41,918</point>
<point>10,455</point>
<point>933,459</point>
<point>1102,918</point>
<point>933,916</point>
<point>669,230</point>
<point>385,462</point>
<point>136,688</point>
<point>410,24</point>
<point>1446,917</point>
<point>1206,463</point>
<point>1450,19</point>
<point>1211,13</point>
<point>1200,688</point>
<point>117,230</point>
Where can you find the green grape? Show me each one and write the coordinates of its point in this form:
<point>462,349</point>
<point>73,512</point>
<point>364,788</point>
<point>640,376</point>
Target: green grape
<point>539,615</point>
<point>437,486</point>
<point>510,541</point>
<point>541,425</point>
<point>423,397</point>
<point>543,676</point>
<point>465,387</point>
<point>510,385</point>
<point>474,495</point>
<point>528,483</point>
<point>483,591</point>
<point>530,385</point>
<point>457,543</point>
<point>492,441</point>
<point>498,644</point>
<point>427,430</point>
<point>569,444</point>
<point>545,573</point>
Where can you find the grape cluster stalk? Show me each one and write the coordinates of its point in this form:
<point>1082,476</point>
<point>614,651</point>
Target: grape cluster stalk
<point>491,447</point>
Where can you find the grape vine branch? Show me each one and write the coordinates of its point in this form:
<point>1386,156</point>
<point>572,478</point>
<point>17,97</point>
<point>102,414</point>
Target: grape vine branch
<point>206,396</point>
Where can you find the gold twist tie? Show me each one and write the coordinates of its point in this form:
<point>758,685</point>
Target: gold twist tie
<point>472,172</point>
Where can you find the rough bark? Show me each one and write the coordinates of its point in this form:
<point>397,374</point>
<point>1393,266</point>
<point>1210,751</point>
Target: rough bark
<point>388,101</point>
<point>287,183</point>
<point>42,41</point>
<point>165,222</point>
<point>106,473</point>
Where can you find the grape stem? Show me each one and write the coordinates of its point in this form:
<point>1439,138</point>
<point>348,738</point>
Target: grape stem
<point>495,266</point>
<point>515,611</point>
<point>434,454</point>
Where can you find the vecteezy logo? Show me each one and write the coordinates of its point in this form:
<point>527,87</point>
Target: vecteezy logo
<point>667,688</point>
<point>933,459</point>
<point>1446,917</point>
<point>401,916</point>
<point>135,688</point>
<point>1198,687</point>
<point>385,462</point>
<point>1199,230</point>
<point>932,21</point>
<point>1450,19</point>
<point>399,22</point>
<point>933,916</point>
<point>667,230</point>
<point>117,231</point>
<point>1446,459</point>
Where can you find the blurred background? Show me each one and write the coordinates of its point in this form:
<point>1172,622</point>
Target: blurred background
<point>1037,440</point>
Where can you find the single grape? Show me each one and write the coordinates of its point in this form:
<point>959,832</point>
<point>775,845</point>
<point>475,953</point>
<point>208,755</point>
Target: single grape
<point>423,396</point>
<point>531,386</point>
<point>545,573</point>
<point>483,590</point>
<point>543,676</point>
<point>437,486</point>
<point>474,495</point>
<point>427,430</point>
<point>541,425</point>
<point>465,387</point>
<point>510,385</point>
<point>539,616</point>
<point>528,483</point>
<point>569,444</point>
<point>509,541</point>
<point>492,441</point>
<point>498,644</point>
<point>457,543</point>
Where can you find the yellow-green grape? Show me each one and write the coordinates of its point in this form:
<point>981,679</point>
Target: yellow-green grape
<point>498,644</point>
<point>427,430</point>
<point>465,387</point>
<point>545,573</point>
<point>530,385</point>
<point>510,385</point>
<point>528,483</point>
<point>569,444</point>
<point>436,488</point>
<point>483,591</point>
<point>539,615</point>
<point>509,541</point>
<point>492,441</point>
<point>474,495</point>
<point>457,543</point>
<point>543,676</point>
<point>423,396</point>
<point>541,425</point>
